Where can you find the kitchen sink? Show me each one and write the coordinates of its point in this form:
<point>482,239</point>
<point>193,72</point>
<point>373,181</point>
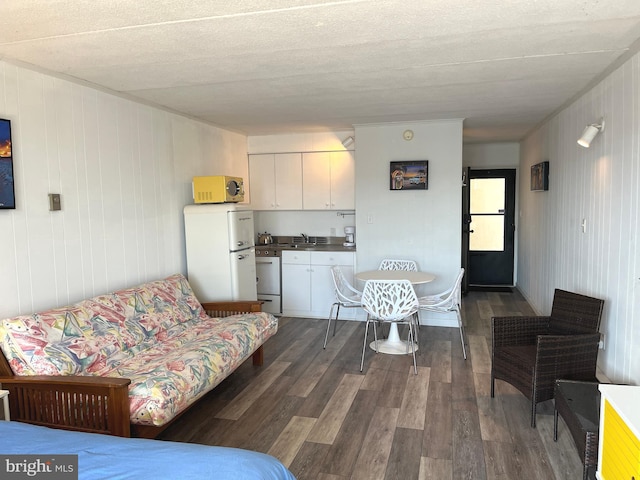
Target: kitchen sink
<point>303,245</point>
<point>308,246</point>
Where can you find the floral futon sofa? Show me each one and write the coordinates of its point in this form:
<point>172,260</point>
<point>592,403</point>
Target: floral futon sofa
<point>129,362</point>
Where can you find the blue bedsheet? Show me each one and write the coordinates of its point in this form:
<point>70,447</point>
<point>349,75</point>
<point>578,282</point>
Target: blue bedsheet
<point>107,457</point>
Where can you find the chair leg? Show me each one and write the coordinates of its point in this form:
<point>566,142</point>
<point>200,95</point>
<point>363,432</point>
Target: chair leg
<point>364,344</point>
<point>555,424</point>
<point>335,323</point>
<point>493,385</point>
<point>380,327</point>
<point>375,333</point>
<point>326,336</point>
<point>413,348</point>
<point>464,350</point>
<point>533,413</point>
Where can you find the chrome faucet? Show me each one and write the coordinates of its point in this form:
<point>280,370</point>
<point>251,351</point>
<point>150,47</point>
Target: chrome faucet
<point>305,238</point>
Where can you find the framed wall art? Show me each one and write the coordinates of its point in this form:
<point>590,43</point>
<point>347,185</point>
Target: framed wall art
<point>409,175</point>
<point>7,191</point>
<point>540,177</point>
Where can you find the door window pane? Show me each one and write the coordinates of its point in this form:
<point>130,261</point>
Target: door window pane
<point>488,233</point>
<point>487,195</point>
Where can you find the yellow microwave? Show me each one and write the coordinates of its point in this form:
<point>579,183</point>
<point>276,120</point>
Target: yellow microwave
<point>218,189</point>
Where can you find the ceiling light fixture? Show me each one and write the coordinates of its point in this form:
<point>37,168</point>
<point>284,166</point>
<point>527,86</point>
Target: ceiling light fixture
<point>590,133</point>
<point>347,141</point>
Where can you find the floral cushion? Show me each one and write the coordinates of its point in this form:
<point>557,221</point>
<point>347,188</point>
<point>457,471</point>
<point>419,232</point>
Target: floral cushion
<point>172,374</point>
<point>158,335</point>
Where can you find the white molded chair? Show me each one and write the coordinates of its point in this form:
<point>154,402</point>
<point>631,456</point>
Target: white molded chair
<point>390,264</point>
<point>346,296</point>
<point>447,301</point>
<point>407,265</point>
<point>390,301</point>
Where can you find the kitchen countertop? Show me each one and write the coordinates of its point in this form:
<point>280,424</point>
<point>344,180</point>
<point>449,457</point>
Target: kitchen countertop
<point>324,247</point>
<point>311,243</point>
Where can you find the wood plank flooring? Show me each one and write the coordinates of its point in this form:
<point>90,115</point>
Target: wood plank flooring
<point>325,420</point>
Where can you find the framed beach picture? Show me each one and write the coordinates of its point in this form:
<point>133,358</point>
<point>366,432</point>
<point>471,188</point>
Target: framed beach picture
<point>540,177</point>
<point>409,175</point>
<point>7,191</point>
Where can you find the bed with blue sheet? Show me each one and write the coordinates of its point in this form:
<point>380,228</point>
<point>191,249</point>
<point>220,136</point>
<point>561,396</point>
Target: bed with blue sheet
<point>117,458</point>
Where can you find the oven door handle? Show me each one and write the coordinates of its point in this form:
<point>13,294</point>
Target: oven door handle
<point>264,263</point>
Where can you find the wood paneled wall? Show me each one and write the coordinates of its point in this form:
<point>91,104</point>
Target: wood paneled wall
<point>124,173</point>
<point>600,185</point>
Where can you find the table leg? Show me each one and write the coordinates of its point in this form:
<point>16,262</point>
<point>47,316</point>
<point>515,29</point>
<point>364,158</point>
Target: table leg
<point>393,345</point>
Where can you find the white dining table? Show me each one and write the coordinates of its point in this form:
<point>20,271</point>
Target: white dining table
<point>393,345</point>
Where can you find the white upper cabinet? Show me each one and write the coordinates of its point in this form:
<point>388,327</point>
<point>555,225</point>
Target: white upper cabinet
<point>316,181</point>
<point>343,181</point>
<point>328,181</point>
<point>275,181</point>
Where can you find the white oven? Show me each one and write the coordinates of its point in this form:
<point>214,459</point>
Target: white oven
<point>268,278</point>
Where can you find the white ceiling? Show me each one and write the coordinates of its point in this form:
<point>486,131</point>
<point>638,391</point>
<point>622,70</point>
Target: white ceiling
<point>275,66</point>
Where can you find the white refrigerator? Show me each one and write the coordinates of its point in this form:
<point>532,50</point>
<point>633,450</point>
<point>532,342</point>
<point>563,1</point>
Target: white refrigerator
<point>221,257</point>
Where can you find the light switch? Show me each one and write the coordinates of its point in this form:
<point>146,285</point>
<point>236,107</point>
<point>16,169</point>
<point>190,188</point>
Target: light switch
<point>54,202</point>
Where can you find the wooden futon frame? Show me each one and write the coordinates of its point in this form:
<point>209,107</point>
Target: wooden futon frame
<point>91,404</point>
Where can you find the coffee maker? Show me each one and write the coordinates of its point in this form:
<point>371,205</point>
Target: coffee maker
<point>349,236</point>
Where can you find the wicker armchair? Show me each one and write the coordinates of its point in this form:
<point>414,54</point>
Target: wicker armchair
<point>530,353</point>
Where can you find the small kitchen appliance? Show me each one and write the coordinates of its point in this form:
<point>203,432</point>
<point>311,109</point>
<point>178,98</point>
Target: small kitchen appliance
<point>265,239</point>
<point>218,189</point>
<point>349,236</point>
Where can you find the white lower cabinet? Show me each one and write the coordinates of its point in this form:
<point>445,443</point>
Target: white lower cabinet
<point>296,282</point>
<point>307,287</point>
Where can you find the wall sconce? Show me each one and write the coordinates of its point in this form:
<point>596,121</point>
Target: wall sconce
<point>347,141</point>
<point>590,133</point>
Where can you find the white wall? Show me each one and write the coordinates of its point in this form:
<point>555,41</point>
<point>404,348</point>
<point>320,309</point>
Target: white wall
<point>312,223</point>
<point>124,174</point>
<point>601,186</point>
<point>491,155</point>
<point>423,225</point>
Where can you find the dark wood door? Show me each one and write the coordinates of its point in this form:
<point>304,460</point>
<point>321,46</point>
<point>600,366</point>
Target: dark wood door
<point>491,227</point>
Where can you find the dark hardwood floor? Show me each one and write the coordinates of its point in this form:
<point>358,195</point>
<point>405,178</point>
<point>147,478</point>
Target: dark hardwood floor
<point>324,419</point>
